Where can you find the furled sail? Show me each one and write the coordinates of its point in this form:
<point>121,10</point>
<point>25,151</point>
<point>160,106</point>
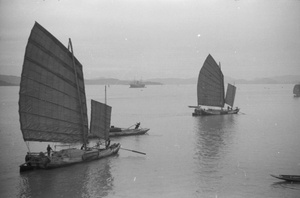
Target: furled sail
<point>296,89</point>
<point>230,95</point>
<point>52,103</point>
<point>100,119</point>
<point>210,87</point>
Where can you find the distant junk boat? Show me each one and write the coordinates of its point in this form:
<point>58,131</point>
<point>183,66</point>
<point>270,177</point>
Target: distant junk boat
<point>137,84</point>
<point>117,131</point>
<point>296,90</point>
<point>114,131</point>
<point>52,105</point>
<point>210,91</point>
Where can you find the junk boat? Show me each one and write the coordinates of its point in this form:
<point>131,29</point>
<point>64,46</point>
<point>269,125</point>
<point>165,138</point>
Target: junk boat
<point>52,104</point>
<point>210,91</point>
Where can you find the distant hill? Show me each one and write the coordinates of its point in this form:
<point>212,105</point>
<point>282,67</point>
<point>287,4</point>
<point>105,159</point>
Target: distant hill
<point>3,83</point>
<point>176,81</point>
<point>113,81</point>
<point>286,79</point>
<point>9,80</point>
<point>6,80</point>
<point>103,81</point>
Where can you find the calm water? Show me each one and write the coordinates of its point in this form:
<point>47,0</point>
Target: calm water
<point>217,156</point>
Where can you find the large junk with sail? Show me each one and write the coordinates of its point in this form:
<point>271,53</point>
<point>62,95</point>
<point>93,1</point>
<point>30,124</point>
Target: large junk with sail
<point>210,91</point>
<point>52,103</point>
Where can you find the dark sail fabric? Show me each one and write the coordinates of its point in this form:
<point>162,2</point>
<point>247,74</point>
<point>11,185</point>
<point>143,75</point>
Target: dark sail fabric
<point>230,95</point>
<point>210,87</point>
<point>100,119</point>
<point>50,106</point>
<point>296,89</point>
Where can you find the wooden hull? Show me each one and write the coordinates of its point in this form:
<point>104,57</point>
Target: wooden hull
<point>289,178</point>
<point>67,157</point>
<point>204,112</point>
<point>127,132</point>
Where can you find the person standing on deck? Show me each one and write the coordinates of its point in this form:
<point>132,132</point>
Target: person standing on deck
<point>107,143</point>
<point>49,150</point>
<point>137,125</point>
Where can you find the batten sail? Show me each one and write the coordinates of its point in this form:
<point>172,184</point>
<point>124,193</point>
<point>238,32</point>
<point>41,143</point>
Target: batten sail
<point>230,94</point>
<point>50,107</point>
<point>100,119</point>
<point>210,87</point>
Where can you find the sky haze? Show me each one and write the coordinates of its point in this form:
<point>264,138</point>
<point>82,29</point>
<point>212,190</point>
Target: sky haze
<point>129,39</point>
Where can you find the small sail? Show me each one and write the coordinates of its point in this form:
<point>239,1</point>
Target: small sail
<point>52,105</point>
<point>296,89</point>
<point>100,119</point>
<point>210,87</point>
<point>230,95</point>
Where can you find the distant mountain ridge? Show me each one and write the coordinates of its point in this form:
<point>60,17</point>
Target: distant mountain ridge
<point>3,83</point>
<point>286,79</point>
<point>113,81</point>
<point>7,80</point>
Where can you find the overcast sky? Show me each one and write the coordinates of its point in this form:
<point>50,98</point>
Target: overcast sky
<point>144,39</point>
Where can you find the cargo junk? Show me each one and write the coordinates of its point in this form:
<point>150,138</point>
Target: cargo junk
<point>210,91</point>
<point>52,104</point>
<point>137,84</point>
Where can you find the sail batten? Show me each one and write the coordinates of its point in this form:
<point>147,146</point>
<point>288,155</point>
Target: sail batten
<point>57,67</point>
<point>210,87</point>
<point>49,104</point>
<point>100,119</point>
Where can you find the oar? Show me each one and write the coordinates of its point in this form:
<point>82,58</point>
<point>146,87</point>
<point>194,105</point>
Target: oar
<point>131,126</point>
<point>133,151</point>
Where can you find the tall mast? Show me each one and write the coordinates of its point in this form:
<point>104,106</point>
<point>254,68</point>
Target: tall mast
<point>78,92</point>
<point>105,127</point>
<point>105,95</point>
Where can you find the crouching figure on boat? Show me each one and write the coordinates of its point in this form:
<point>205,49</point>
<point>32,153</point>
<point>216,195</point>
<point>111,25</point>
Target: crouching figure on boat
<point>34,160</point>
<point>49,149</point>
<point>137,125</point>
<point>132,130</point>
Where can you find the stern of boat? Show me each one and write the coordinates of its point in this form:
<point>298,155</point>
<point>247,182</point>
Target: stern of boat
<point>35,161</point>
<point>115,147</point>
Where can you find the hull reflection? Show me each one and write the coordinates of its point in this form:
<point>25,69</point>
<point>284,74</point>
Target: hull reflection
<point>94,180</point>
<point>214,136</point>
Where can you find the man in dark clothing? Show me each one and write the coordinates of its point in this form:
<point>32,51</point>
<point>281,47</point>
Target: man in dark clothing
<point>107,143</point>
<point>137,125</point>
<point>49,150</point>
